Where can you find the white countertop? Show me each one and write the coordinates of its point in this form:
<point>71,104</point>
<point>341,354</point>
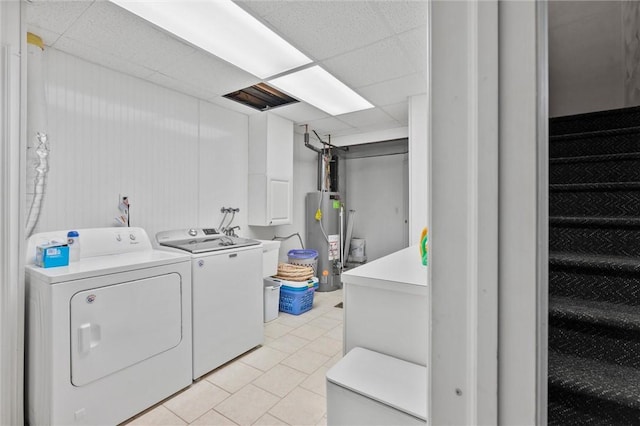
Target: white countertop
<point>402,268</point>
<point>391,381</point>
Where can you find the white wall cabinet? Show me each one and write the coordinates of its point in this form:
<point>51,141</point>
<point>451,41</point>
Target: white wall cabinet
<point>270,170</point>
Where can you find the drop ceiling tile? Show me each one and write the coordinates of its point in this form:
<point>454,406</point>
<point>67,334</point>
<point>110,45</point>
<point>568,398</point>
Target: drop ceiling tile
<point>366,117</point>
<point>328,126</point>
<point>376,127</point>
<point>399,112</point>
<point>232,105</point>
<point>323,29</point>
<point>209,72</point>
<point>300,113</point>
<point>378,62</point>
<point>403,15</point>
<point>261,7</point>
<point>54,16</point>
<point>113,30</point>
<point>414,42</point>
<point>181,86</point>
<point>394,91</point>
<point>48,37</point>
<point>90,54</point>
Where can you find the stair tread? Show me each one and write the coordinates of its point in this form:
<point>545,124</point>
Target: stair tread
<point>595,221</point>
<point>595,312</point>
<point>593,378</point>
<point>561,414</point>
<point>593,261</point>
<point>599,186</point>
<point>596,158</point>
<point>594,133</point>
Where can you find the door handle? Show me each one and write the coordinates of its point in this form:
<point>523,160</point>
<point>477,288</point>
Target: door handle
<point>88,337</point>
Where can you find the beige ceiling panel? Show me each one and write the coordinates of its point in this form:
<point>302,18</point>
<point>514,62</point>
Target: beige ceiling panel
<point>207,71</point>
<point>366,117</point>
<point>110,29</point>
<point>95,56</point>
<point>402,15</point>
<point>394,91</point>
<point>300,113</point>
<point>323,29</point>
<point>382,61</point>
<point>399,112</point>
<point>414,42</point>
<point>55,16</point>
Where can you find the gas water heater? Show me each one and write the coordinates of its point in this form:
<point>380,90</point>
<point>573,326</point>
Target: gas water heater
<point>324,218</point>
<point>323,234</point>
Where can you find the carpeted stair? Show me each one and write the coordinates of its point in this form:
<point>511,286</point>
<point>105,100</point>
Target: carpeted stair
<point>594,269</point>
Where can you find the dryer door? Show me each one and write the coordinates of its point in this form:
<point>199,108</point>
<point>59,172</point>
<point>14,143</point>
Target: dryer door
<point>120,325</point>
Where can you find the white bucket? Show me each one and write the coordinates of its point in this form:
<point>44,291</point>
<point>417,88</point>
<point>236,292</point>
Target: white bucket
<point>357,249</point>
<point>271,300</point>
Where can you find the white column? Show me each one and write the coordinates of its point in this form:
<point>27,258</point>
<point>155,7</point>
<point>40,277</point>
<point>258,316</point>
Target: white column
<point>418,160</point>
<point>12,153</point>
<point>463,174</point>
<point>523,213</point>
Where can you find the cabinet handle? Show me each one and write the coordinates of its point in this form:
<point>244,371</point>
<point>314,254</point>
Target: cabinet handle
<point>233,255</point>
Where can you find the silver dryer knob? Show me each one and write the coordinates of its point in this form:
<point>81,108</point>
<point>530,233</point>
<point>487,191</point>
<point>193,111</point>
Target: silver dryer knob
<point>193,232</point>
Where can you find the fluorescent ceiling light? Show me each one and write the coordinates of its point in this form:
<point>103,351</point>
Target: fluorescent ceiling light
<point>317,87</point>
<point>222,28</point>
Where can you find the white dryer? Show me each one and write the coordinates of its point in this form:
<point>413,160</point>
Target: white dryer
<point>109,335</point>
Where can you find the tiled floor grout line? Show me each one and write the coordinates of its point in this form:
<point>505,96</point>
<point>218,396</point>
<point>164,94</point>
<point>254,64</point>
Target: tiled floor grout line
<point>323,313</point>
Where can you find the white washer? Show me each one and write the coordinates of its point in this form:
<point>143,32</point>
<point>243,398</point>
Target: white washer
<point>109,335</point>
<point>227,294</point>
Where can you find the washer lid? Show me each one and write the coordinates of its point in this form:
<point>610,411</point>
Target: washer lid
<point>388,380</point>
<point>207,244</point>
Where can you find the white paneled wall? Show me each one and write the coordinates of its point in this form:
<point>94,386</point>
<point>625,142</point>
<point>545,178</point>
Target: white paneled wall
<point>224,150</point>
<point>593,56</point>
<point>378,192</point>
<point>177,158</point>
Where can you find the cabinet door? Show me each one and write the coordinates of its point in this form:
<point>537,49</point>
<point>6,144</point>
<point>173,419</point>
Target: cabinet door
<point>270,170</point>
<point>279,201</point>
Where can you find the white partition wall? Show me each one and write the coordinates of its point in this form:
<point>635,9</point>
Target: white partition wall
<point>463,243</point>
<point>524,218</point>
<point>12,135</point>
<point>177,158</point>
<point>418,160</point>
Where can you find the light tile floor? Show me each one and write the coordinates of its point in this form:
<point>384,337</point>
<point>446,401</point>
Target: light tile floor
<point>281,382</point>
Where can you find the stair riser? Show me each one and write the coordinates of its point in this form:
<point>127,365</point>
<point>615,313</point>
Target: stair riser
<point>606,241</point>
<point>594,145</point>
<point>596,286</point>
<point>621,203</point>
<point>574,409</point>
<point>611,345</point>
<point>604,120</point>
<point>610,170</point>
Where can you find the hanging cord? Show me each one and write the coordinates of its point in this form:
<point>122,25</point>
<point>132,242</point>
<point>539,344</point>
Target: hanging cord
<point>125,201</point>
<point>42,168</point>
<point>275,237</point>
